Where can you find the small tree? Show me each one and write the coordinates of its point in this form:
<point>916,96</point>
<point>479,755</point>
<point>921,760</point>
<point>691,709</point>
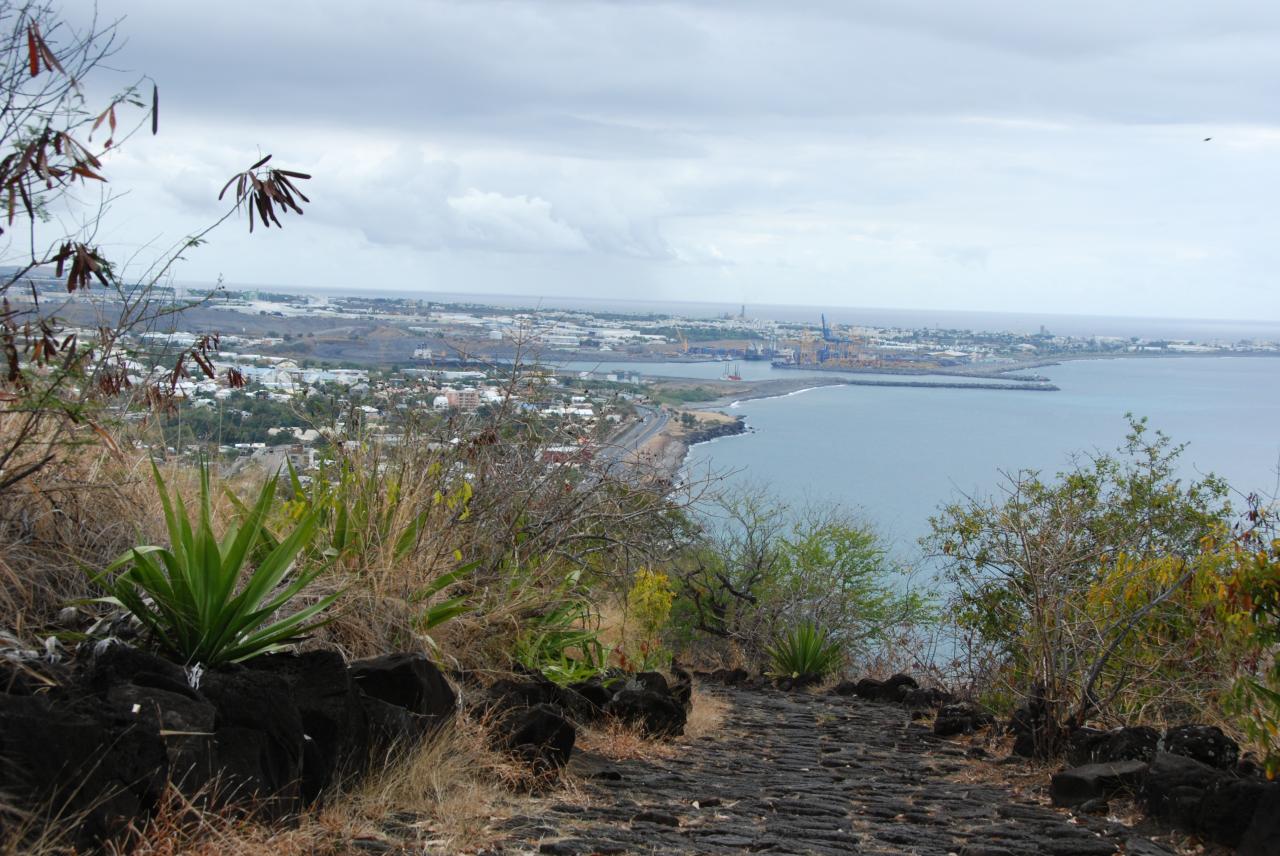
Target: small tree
<point>761,569</point>
<point>54,381</point>
<point>1081,590</point>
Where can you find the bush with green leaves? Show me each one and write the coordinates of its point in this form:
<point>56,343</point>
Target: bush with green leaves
<point>208,599</point>
<point>1081,592</point>
<point>759,567</point>
<point>563,643</point>
<point>1249,604</point>
<point>805,649</point>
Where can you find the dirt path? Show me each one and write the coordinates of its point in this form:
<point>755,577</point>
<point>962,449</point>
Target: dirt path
<point>796,773</point>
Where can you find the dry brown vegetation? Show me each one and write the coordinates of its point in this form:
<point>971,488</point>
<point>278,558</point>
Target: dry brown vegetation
<point>532,538</point>
<point>444,798</point>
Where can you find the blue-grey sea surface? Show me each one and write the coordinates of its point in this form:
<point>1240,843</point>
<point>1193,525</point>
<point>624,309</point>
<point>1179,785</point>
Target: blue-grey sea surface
<point>896,454</point>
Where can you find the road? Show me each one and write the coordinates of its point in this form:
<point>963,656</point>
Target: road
<point>631,438</point>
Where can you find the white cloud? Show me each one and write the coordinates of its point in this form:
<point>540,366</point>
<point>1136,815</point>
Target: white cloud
<point>994,155</point>
<point>512,223</point>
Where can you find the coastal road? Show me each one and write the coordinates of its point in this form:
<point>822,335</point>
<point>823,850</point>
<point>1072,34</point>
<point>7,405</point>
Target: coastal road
<point>633,437</point>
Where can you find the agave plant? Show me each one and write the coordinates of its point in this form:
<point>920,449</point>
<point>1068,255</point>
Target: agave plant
<point>805,649</point>
<point>197,597</point>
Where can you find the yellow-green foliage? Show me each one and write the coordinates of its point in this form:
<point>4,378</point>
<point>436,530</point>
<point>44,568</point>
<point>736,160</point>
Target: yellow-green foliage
<point>649,601</point>
<point>648,608</point>
<point>1249,597</point>
<point>1096,592</point>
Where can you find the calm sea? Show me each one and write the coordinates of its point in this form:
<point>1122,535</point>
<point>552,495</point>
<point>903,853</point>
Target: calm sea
<point>896,454</point>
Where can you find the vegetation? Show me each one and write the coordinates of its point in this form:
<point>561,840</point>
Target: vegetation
<point>648,610</point>
<point>1085,595</point>
<point>1250,608</point>
<point>1113,591</point>
<point>61,388</point>
<point>805,649</point>
<point>684,395</point>
<point>193,596</point>
<point>760,567</point>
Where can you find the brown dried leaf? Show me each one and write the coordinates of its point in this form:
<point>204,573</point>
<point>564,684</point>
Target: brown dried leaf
<point>33,51</point>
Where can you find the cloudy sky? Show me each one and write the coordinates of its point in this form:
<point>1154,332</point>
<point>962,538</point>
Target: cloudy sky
<point>985,154</point>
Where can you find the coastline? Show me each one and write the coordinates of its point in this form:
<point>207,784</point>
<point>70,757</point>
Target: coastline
<point>669,449</point>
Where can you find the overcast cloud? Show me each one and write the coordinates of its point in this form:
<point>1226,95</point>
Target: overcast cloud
<point>990,154</point>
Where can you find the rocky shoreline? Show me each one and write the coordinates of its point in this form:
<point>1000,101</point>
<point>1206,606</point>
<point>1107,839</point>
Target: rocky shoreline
<point>715,432</point>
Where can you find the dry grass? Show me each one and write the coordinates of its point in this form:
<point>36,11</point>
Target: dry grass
<point>80,512</point>
<point>451,791</point>
<point>445,797</point>
<point>707,717</point>
<point>621,742</point>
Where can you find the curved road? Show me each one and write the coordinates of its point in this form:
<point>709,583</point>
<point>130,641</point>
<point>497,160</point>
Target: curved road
<point>631,438</point>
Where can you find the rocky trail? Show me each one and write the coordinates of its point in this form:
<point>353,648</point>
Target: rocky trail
<point>806,773</point>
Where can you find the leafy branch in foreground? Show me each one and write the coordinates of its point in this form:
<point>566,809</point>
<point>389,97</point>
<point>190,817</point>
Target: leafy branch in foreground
<point>189,596</point>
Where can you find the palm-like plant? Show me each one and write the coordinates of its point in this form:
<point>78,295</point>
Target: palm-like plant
<point>805,649</point>
<point>189,594</point>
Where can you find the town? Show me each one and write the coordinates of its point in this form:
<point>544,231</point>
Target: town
<point>318,370</point>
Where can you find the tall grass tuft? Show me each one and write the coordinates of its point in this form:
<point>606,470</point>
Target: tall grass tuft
<point>189,594</point>
<point>805,649</point>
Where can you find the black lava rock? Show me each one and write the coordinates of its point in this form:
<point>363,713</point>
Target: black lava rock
<point>961,718</point>
<point>27,677</point>
<point>534,690</point>
<point>334,721</point>
<point>657,714</point>
<point>788,683</point>
<point>896,688</point>
<point>1095,781</point>
<point>258,741</point>
<point>1036,733</point>
<point>1205,743</point>
<point>729,677</point>
<point>406,680</point>
<point>105,770</point>
<point>1262,836</point>
<point>925,699</point>
<point>1174,786</point>
<point>539,736</point>
<point>1227,808</point>
<point>1134,743</point>
<point>185,723</point>
<point>868,688</point>
<point>120,664</point>
<point>595,693</point>
<point>682,687</point>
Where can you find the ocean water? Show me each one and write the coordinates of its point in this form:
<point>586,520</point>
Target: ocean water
<point>895,454</point>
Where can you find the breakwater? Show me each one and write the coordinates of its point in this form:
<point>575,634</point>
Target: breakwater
<point>942,384</point>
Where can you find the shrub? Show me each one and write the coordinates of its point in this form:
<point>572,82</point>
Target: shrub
<point>648,608</point>
<point>805,649</point>
<point>1085,593</point>
<point>563,644</point>
<point>1250,600</point>
<point>189,595</point>
<point>758,568</point>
